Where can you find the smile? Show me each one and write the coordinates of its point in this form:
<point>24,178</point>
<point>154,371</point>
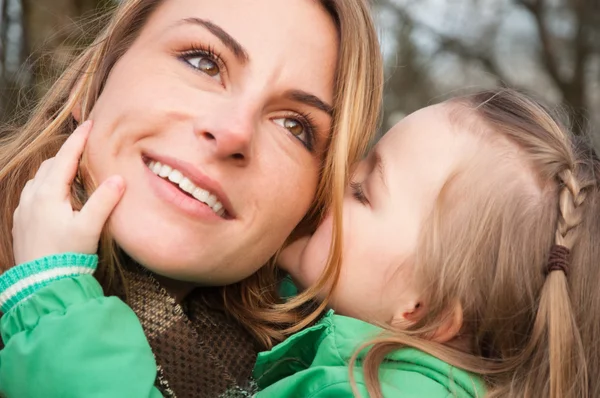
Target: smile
<point>186,185</point>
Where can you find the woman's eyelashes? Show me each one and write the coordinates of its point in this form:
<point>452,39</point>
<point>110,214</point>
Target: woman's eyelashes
<point>205,60</point>
<point>358,192</point>
<point>300,126</point>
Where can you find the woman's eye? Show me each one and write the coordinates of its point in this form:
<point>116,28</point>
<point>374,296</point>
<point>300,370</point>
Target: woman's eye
<point>295,127</point>
<point>204,64</point>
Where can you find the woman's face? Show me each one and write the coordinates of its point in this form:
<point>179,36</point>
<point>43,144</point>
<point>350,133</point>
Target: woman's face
<point>217,118</point>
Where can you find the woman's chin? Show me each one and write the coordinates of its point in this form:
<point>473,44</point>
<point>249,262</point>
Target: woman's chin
<point>182,249</point>
<point>176,263</point>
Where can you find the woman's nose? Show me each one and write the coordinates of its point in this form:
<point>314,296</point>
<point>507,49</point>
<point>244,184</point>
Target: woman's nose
<point>230,135</point>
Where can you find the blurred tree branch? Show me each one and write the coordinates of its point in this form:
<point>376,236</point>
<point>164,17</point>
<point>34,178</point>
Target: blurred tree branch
<point>467,52</point>
<point>51,32</point>
<point>3,4</point>
<point>563,59</point>
<point>536,9</point>
<point>572,85</point>
<point>11,39</point>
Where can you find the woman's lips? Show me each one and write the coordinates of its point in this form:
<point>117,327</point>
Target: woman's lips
<point>192,182</point>
<point>172,193</point>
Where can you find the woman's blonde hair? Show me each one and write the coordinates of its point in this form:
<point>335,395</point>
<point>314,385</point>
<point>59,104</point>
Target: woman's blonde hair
<point>528,332</point>
<point>357,100</point>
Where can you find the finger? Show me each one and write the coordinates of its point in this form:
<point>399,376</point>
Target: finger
<point>27,191</point>
<point>66,161</point>
<point>28,186</point>
<point>102,202</point>
<point>43,171</point>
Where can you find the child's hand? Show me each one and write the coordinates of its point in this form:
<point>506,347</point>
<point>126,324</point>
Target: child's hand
<point>45,222</point>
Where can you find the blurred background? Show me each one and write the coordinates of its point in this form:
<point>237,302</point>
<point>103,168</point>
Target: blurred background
<point>433,49</point>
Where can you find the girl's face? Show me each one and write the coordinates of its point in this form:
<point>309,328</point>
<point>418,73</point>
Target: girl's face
<point>393,191</point>
<point>216,117</point>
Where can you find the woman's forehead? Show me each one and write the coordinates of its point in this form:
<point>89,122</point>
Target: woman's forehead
<point>259,24</point>
<point>286,41</point>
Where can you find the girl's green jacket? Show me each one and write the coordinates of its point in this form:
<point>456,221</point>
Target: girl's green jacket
<point>63,338</point>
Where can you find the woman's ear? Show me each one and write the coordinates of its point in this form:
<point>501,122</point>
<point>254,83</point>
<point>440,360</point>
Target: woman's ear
<point>76,112</point>
<point>451,324</point>
<point>75,95</point>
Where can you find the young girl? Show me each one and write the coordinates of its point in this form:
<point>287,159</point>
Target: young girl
<point>469,269</point>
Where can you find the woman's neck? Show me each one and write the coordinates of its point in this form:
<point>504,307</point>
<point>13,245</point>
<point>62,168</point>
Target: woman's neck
<point>179,290</point>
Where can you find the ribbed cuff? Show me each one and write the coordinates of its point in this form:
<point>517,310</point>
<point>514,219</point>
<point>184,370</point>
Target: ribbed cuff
<point>20,282</point>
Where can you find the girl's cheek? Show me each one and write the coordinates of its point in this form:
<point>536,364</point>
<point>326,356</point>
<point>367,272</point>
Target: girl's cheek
<point>314,257</point>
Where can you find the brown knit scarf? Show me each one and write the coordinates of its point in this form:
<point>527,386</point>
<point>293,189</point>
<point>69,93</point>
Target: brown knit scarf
<point>200,351</point>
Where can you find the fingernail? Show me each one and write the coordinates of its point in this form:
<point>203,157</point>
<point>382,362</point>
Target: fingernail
<point>85,124</point>
<point>116,182</point>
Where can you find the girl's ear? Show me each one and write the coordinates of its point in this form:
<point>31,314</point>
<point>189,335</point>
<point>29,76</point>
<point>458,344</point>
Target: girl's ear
<point>451,325</point>
<point>408,314</point>
<point>414,311</point>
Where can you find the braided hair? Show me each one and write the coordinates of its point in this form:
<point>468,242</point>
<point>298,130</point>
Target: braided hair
<point>562,355</point>
<point>515,239</point>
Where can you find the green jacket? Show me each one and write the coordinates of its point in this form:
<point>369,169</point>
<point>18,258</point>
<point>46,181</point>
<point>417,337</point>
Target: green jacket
<point>63,338</point>
<point>314,363</point>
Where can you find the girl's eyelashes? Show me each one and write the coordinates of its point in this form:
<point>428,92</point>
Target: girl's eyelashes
<point>301,126</point>
<point>205,60</point>
<point>358,192</point>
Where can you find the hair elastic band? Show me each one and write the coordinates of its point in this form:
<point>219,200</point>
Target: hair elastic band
<point>558,260</point>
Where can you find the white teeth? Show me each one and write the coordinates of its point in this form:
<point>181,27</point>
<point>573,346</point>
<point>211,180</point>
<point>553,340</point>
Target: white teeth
<point>186,185</point>
<point>164,171</point>
<point>201,194</point>
<point>176,177</point>
<point>218,207</point>
<point>211,201</point>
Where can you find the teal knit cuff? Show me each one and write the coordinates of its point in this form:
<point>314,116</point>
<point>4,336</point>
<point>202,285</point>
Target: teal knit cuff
<point>20,282</point>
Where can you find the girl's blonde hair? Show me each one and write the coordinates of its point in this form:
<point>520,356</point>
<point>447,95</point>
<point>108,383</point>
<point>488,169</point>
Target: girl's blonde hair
<point>357,101</point>
<point>486,245</point>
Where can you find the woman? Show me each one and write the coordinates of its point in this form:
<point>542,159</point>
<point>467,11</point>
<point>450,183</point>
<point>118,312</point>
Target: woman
<point>251,110</point>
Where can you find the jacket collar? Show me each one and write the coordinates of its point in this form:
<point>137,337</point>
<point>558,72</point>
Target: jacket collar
<point>334,339</point>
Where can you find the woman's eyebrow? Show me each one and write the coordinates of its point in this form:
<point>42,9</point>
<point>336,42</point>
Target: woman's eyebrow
<point>310,100</point>
<point>242,55</point>
<point>228,41</point>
